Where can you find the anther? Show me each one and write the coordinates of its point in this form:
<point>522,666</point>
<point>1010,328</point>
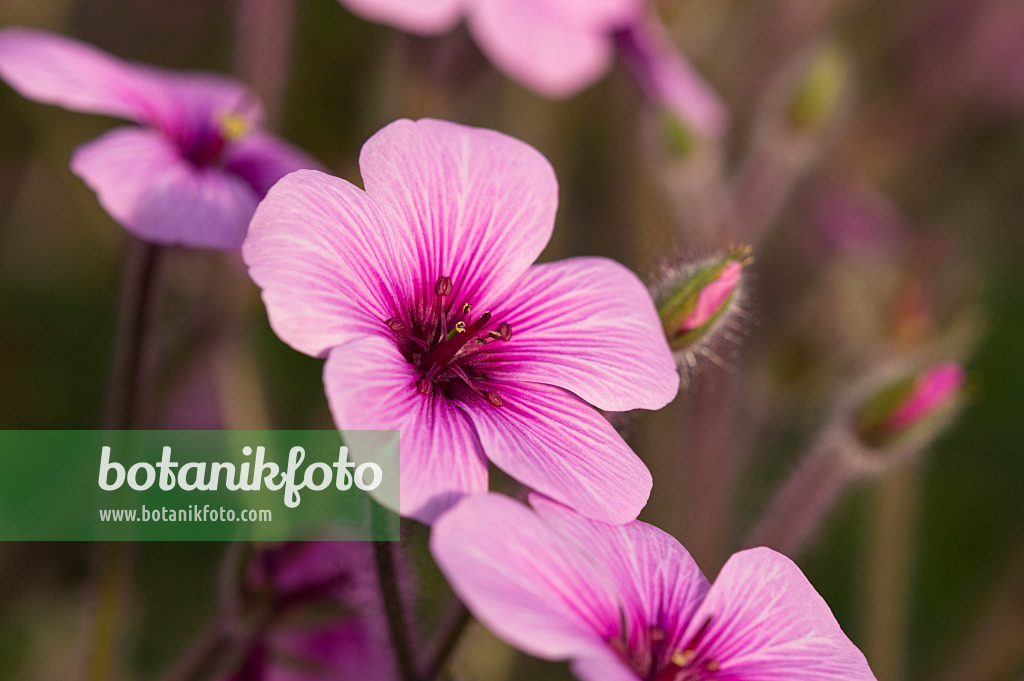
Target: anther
<point>424,386</point>
<point>505,329</point>
<point>493,398</point>
<point>395,324</point>
<point>460,327</point>
<point>444,286</point>
<point>713,666</point>
<point>657,634</point>
<point>683,658</point>
<point>466,308</point>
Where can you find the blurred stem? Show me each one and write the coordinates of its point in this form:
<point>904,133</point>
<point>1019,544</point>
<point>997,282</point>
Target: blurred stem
<point>889,572</point>
<point>713,464</point>
<point>802,502</point>
<point>224,633</point>
<point>133,320</point>
<point>105,631</point>
<point>386,575</point>
<point>262,49</point>
<point>448,641</point>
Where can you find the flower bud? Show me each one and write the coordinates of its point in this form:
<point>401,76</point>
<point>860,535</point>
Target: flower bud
<point>696,299</point>
<point>820,90</point>
<point>914,407</point>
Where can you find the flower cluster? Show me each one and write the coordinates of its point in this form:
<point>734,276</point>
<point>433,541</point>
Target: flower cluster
<point>426,292</point>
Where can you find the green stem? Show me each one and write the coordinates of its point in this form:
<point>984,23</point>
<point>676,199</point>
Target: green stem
<point>449,641</point>
<point>387,577</point>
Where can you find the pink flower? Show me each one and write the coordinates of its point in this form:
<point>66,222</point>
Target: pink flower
<point>421,294</point>
<point>932,391</point>
<point>626,603</point>
<point>324,615</point>
<point>197,165</point>
<point>559,47</point>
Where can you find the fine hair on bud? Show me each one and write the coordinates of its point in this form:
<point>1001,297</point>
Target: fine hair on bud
<point>895,413</point>
<point>702,301</point>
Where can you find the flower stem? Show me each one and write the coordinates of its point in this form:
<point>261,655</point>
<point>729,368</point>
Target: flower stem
<point>803,501</point>
<point>107,612</point>
<point>383,552</point>
<point>890,564</point>
<point>262,48</point>
<point>448,641</point>
<point>134,316</point>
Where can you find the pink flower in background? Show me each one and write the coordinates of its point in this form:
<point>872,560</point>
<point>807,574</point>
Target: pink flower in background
<point>326,615</point>
<point>421,294</point>
<point>559,47</point>
<point>626,603</point>
<point>193,170</point>
<point>933,391</point>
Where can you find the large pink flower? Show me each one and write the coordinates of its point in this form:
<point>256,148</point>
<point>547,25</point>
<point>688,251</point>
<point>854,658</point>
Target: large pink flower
<point>420,292</point>
<point>559,47</point>
<point>627,603</point>
<point>197,165</point>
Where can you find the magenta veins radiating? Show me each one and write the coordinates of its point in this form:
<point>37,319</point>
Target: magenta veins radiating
<point>654,658</point>
<point>444,345</point>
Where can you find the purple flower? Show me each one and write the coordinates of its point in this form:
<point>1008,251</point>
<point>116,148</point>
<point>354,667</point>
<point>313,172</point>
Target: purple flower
<point>559,47</point>
<point>420,292</point>
<point>197,165</point>
<point>626,603</point>
<point>323,614</point>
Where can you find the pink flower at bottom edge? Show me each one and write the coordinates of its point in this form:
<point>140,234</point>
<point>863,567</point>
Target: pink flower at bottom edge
<point>193,170</point>
<point>628,602</point>
<point>421,293</point>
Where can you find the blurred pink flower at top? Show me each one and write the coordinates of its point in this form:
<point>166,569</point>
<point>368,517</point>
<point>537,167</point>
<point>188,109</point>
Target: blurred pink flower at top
<point>932,391</point>
<point>422,294</point>
<point>559,47</point>
<point>193,170</point>
<point>628,603</point>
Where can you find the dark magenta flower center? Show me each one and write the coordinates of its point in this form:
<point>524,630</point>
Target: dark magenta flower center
<point>446,346</point>
<point>653,659</point>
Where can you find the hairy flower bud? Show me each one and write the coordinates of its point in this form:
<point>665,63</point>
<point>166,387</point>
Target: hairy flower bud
<point>910,404</point>
<point>820,90</point>
<point>696,299</point>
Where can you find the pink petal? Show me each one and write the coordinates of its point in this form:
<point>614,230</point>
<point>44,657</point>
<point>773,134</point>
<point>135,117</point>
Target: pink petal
<point>767,623</point>
<point>143,182</point>
<point>933,390</point>
<point>325,255</point>
<point>523,580</point>
<point>263,159</point>
<point>475,205</point>
<point>370,386</point>
<point>605,15</point>
<point>657,580</point>
<point>587,325</point>
<point>536,44</point>
<point>713,296</point>
<point>56,70</point>
<point>671,80</point>
<point>605,666</point>
<point>414,16</point>
<point>555,443</point>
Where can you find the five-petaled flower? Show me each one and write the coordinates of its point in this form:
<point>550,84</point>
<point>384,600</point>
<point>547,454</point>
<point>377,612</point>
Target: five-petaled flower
<point>193,171</point>
<point>421,293</point>
<point>628,602</point>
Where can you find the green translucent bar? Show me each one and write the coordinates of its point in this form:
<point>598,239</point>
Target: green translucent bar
<point>51,487</point>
